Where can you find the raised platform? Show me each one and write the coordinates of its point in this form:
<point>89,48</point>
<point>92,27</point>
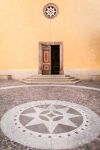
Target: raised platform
<point>51,79</point>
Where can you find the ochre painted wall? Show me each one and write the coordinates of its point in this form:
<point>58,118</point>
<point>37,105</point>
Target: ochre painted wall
<point>23,26</point>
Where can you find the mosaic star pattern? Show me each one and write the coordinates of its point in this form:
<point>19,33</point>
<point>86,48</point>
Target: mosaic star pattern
<point>51,124</point>
<point>50,116</point>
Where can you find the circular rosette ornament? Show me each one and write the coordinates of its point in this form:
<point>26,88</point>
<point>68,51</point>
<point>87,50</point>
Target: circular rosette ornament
<point>50,10</point>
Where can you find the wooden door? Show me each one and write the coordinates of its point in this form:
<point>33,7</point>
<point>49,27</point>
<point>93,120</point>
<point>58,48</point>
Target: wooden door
<point>46,61</point>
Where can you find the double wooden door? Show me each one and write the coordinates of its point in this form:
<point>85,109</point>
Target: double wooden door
<point>50,59</point>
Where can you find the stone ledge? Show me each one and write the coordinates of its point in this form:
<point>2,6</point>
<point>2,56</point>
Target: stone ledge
<point>5,77</point>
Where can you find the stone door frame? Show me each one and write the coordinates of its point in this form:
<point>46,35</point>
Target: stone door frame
<point>41,55</point>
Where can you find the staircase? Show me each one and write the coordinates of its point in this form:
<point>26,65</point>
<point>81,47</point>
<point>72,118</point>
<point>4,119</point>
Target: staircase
<point>50,79</point>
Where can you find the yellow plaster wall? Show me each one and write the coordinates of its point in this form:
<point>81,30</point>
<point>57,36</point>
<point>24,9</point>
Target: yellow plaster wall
<point>23,26</point>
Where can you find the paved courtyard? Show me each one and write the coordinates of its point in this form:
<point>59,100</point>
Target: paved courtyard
<point>35,117</point>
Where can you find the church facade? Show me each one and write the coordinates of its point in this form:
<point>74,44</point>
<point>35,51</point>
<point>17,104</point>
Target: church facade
<point>50,37</point>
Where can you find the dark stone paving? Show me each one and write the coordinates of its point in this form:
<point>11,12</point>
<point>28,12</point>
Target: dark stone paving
<point>11,97</point>
<point>4,83</point>
<point>91,83</point>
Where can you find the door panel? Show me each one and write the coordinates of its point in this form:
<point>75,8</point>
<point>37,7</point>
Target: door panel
<point>46,64</point>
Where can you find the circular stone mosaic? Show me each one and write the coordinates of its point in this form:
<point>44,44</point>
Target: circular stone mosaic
<point>50,10</point>
<point>51,124</point>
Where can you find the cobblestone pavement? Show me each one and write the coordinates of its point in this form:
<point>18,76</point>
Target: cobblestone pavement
<point>12,97</point>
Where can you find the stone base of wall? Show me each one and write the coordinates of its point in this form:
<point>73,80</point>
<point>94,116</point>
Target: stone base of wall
<point>17,74</point>
<point>83,74</point>
<point>80,74</point>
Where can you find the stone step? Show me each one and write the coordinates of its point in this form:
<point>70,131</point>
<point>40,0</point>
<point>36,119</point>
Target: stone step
<point>46,82</point>
<point>51,79</point>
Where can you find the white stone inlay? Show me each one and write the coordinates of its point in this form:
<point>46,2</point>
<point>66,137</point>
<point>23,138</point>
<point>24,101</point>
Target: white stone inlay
<point>51,124</point>
<point>51,85</point>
